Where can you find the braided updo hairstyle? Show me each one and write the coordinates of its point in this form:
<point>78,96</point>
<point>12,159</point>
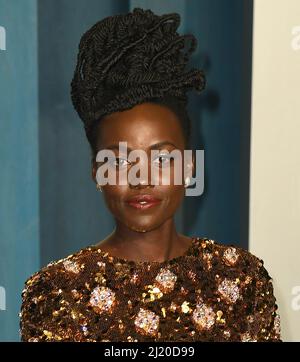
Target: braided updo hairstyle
<point>127,59</point>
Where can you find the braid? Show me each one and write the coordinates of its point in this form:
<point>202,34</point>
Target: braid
<point>124,60</point>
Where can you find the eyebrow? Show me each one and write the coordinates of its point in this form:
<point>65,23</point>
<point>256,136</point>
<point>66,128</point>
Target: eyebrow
<point>154,146</point>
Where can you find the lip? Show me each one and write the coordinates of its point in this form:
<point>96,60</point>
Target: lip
<point>149,200</point>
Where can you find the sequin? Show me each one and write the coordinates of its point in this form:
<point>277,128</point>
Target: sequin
<point>152,294</point>
<point>230,256</point>
<point>192,275</point>
<point>229,290</point>
<point>85,330</point>
<point>203,316</point>
<point>76,295</point>
<point>185,307</point>
<point>32,280</point>
<point>102,299</point>
<point>121,325</point>
<point>250,318</point>
<point>147,322</point>
<point>277,328</point>
<point>207,257</point>
<point>48,334</point>
<point>135,279</point>
<point>184,291</point>
<point>33,339</point>
<point>248,279</point>
<point>246,337</point>
<point>173,307</point>
<point>219,317</point>
<point>100,279</point>
<point>227,333</point>
<point>101,265</point>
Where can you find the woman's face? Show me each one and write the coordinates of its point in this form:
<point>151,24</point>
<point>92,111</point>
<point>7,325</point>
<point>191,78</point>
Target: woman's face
<point>142,127</point>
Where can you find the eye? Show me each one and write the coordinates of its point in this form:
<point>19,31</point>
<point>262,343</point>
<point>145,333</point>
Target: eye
<point>162,160</point>
<point>118,161</point>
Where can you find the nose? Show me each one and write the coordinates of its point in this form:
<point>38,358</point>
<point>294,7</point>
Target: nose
<point>141,185</point>
<point>142,176</point>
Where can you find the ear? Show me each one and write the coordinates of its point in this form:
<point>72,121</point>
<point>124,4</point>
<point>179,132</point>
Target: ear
<point>194,163</point>
<point>94,169</point>
<point>189,168</point>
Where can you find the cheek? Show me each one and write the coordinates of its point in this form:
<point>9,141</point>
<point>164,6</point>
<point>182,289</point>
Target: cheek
<point>114,197</point>
<point>175,196</point>
<point>173,174</point>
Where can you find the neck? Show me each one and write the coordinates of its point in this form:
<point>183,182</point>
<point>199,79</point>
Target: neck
<point>159,244</point>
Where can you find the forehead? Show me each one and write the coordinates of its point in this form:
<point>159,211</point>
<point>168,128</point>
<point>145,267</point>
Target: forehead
<point>141,126</point>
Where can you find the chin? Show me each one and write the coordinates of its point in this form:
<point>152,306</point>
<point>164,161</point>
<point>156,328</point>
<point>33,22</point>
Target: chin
<point>139,230</point>
<point>143,229</point>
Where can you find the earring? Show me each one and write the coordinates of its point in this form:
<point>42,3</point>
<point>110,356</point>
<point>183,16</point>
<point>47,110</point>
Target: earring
<point>187,181</point>
<point>99,187</point>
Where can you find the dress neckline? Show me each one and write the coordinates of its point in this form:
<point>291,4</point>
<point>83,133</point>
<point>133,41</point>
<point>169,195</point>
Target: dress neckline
<point>187,252</point>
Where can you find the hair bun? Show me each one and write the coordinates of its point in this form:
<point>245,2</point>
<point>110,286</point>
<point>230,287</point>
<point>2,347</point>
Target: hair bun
<point>127,59</point>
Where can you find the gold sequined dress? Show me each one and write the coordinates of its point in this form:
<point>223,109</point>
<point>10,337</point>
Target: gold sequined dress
<point>213,292</point>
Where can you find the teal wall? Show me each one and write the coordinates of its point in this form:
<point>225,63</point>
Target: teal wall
<point>221,118</point>
<point>19,157</point>
<point>49,206</point>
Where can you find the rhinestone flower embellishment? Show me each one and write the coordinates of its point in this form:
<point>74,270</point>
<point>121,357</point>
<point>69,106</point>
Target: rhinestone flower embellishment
<point>102,299</point>
<point>165,280</point>
<point>146,322</point>
<point>229,290</point>
<point>71,266</point>
<point>203,316</point>
<point>230,256</point>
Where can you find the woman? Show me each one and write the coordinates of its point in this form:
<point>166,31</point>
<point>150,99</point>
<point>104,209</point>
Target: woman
<point>145,281</point>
